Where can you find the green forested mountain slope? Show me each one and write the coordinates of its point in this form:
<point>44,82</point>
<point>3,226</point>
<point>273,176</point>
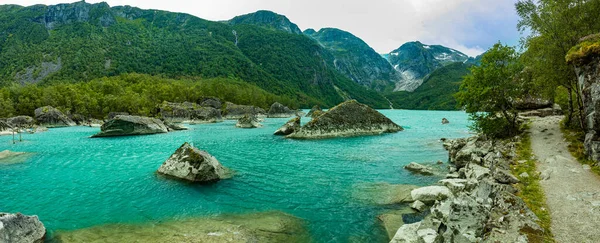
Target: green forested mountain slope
<point>79,42</point>
<point>436,92</point>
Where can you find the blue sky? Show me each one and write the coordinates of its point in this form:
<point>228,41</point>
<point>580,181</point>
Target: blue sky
<point>470,26</point>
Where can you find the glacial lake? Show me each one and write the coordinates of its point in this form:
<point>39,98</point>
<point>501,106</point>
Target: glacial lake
<point>73,181</point>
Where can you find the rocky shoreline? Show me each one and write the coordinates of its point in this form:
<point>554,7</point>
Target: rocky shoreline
<point>477,201</point>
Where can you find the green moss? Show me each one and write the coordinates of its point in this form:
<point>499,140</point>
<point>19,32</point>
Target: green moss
<point>582,52</point>
<point>531,191</point>
<point>575,138</point>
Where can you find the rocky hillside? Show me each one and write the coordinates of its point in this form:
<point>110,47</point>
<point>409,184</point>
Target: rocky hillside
<point>78,42</point>
<point>415,60</point>
<point>355,59</point>
<point>267,19</point>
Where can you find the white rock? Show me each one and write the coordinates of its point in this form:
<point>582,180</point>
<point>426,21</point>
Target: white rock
<point>431,193</point>
<point>19,228</point>
<point>427,235</point>
<point>407,234</point>
<point>419,206</point>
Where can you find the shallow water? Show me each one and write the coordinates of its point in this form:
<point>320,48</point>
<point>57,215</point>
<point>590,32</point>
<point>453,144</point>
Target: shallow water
<point>72,181</point>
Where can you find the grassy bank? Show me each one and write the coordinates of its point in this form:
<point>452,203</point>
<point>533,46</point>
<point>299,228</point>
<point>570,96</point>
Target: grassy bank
<point>575,138</point>
<point>530,189</point>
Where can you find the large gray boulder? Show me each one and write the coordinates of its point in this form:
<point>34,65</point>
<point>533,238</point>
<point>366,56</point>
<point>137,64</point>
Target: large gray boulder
<point>431,193</point>
<point>248,121</point>
<point>189,112</point>
<point>191,164</point>
<point>49,116</point>
<point>211,102</point>
<point>280,111</point>
<point>347,119</point>
<point>234,112</point>
<point>419,168</point>
<point>312,111</point>
<point>19,228</point>
<point>20,121</point>
<point>131,125</point>
<point>289,127</point>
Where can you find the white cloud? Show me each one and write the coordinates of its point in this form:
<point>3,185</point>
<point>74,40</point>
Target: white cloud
<point>466,25</point>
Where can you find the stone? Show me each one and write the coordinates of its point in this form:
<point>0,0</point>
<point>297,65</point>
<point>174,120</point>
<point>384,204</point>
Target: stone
<point>112,115</point>
<point>347,119</point>
<point>532,103</point>
<point>391,222</point>
<point>524,175</point>
<point>455,185</point>
<point>189,112</point>
<point>445,121</point>
<point>383,193</point>
<point>477,172</point>
<point>191,164</point>
<point>175,127</point>
<point>235,112</point>
<point>125,125</point>
<point>419,206</point>
<point>430,193</point>
<point>546,174</point>
<point>248,121</point>
<point>289,127</point>
<point>19,228</point>
<point>20,121</point>
<point>407,234</point>
<point>212,102</point>
<point>278,110</point>
<point>49,116</point>
<point>505,177</point>
<point>312,111</point>
<point>427,235</point>
<point>419,169</point>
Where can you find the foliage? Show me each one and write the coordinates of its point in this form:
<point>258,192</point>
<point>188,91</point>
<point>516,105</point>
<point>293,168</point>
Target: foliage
<point>138,94</point>
<point>436,92</point>
<point>487,93</point>
<point>575,138</point>
<point>583,51</point>
<point>530,189</point>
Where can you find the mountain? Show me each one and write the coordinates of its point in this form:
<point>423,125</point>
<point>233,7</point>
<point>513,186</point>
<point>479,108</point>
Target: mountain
<point>436,92</point>
<point>267,19</point>
<point>78,42</point>
<point>355,59</point>
<point>415,60</point>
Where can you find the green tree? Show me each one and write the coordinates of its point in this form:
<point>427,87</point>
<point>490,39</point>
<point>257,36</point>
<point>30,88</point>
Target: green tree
<point>487,93</point>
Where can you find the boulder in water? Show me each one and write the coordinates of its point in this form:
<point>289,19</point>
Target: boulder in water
<point>191,164</point>
<point>445,121</point>
<point>347,119</point>
<point>49,116</point>
<point>312,111</point>
<point>131,125</point>
<point>280,111</point>
<point>234,112</point>
<point>248,121</point>
<point>289,127</point>
<point>19,228</point>
<point>419,169</point>
<point>189,112</point>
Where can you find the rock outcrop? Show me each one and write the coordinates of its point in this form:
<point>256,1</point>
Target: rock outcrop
<point>131,125</point>
<point>477,202</point>
<point>211,102</point>
<point>20,121</point>
<point>419,169</point>
<point>19,228</point>
<point>191,164</point>
<point>189,112</point>
<point>280,111</point>
<point>312,111</point>
<point>49,116</point>
<point>248,121</point>
<point>289,127</point>
<point>347,119</point>
<point>234,112</point>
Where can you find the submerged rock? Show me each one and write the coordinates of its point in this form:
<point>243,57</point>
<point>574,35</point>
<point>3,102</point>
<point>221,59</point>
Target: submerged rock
<point>289,127</point>
<point>248,121</point>
<point>131,125</point>
<point>234,112</point>
<point>347,119</point>
<point>268,227</point>
<point>19,228</point>
<point>191,164</point>
<point>49,116</point>
<point>280,111</point>
<point>189,112</point>
<point>419,169</point>
<point>8,157</point>
<point>383,193</point>
<point>313,110</point>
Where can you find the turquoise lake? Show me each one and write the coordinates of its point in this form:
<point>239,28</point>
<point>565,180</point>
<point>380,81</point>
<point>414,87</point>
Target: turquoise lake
<point>73,181</point>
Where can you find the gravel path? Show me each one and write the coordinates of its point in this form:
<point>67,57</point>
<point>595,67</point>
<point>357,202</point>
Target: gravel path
<point>572,189</point>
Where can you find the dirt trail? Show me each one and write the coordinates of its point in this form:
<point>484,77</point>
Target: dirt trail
<point>572,189</point>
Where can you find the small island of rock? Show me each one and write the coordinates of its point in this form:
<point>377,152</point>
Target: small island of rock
<point>280,111</point>
<point>21,228</point>
<point>347,119</point>
<point>192,164</point>
<point>123,125</point>
<point>289,127</point>
<point>49,116</point>
<point>248,121</point>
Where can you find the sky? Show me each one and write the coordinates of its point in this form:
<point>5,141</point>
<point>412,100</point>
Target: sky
<point>470,26</point>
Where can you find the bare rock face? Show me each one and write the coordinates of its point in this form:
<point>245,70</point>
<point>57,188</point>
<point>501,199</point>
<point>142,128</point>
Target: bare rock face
<point>191,164</point>
<point>19,228</point>
<point>212,102</point>
<point>189,112</point>
<point>131,125</point>
<point>289,127</point>
<point>49,116</point>
<point>20,121</point>
<point>234,112</point>
<point>248,121</point>
<point>280,111</point>
<point>312,111</point>
<point>347,119</point>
